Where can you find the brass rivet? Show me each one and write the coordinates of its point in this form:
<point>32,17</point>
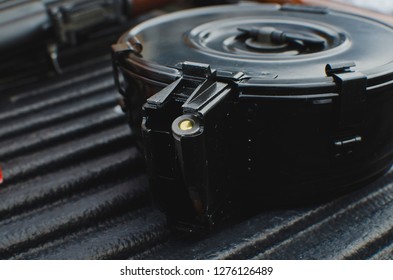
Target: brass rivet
<point>186,125</point>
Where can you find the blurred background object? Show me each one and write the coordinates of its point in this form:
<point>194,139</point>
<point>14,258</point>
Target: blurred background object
<point>380,9</point>
<point>65,21</point>
<point>53,30</point>
<point>381,6</point>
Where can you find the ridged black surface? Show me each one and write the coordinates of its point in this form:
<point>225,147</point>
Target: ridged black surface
<point>75,188</point>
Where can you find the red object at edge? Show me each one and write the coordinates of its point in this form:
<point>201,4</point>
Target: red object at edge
<point>1,176</point>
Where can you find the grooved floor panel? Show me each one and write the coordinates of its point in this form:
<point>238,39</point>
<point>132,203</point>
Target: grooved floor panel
<point>75,188</point>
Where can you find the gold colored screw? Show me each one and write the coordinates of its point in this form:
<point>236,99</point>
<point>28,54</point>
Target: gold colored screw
<point>186,125</point>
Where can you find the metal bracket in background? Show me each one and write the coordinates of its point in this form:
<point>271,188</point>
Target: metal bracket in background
<point>53,52</point>
<point>71,18</point>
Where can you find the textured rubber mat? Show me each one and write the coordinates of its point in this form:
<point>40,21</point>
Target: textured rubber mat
<point>75,188</point>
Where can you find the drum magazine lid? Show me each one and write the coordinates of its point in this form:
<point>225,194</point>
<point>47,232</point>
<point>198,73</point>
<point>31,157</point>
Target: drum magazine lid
<point>249,38</point>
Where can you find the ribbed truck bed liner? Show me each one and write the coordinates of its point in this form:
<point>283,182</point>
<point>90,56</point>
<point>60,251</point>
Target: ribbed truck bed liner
<point>75,188</point>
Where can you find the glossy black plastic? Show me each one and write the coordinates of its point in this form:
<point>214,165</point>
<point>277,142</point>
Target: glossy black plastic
<point>233,116</point>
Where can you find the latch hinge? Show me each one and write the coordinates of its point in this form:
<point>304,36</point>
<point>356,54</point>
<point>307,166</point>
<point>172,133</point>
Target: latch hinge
<point>352,86</point>
<point>194,78</point>
<point>197,70</point>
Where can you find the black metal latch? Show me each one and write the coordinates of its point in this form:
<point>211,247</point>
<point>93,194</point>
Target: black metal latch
<point>352,94</point>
